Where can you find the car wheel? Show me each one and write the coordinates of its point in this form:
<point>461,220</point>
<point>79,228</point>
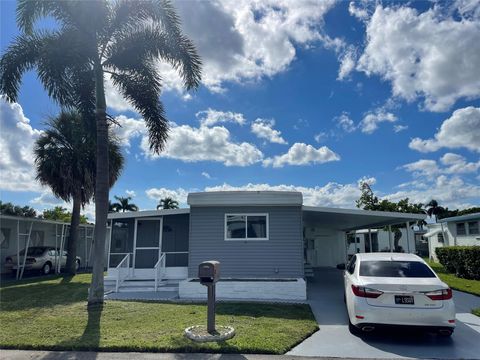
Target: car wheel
<point>77,265</point>
<point>46,269</point>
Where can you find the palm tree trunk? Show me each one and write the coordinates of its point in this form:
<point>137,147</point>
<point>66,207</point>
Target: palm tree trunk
<point>70,267</point>
<point>102,186</point>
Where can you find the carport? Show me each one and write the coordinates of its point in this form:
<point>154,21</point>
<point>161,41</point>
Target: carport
<point>333,339</point>
<point>330,233</point>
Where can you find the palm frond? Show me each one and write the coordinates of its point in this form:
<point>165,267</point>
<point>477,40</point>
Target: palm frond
<point>151,41</point>
<point>142,89</point>
<point>20,56</point>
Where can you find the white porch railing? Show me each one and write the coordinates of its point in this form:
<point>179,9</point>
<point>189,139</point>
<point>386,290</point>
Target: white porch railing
<point>123,271</point>
<point>159,270</point>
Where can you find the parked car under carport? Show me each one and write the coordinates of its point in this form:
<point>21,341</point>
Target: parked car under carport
<point>40,258</point>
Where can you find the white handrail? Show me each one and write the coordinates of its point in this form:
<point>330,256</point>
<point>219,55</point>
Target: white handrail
<point>159,266</point>
<point>121,277</point>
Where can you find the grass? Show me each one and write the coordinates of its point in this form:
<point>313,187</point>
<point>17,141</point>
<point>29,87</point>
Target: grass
<point>469,286</point>
<point>51,314</point>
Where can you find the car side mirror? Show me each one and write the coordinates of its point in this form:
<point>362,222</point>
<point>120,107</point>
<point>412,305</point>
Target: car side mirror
<point>341,267</point>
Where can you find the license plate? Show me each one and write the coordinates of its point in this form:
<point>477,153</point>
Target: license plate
<point>404,300</point>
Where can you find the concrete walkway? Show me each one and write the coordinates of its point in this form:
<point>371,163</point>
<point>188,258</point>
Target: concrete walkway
<point>79,355</point>
<point>325,293</point>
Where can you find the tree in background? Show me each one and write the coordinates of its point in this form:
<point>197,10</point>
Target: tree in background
<point>15,210</point>
<point>368,201</point>
<point>65,162</point>
<point>167,203</point>
<point>434,210</point>
<point>59,213</point>
<point>123,204</point>
<point>121,39</point>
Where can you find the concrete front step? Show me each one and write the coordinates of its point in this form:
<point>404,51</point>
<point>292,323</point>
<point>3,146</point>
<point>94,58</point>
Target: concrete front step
<point>142,286</point>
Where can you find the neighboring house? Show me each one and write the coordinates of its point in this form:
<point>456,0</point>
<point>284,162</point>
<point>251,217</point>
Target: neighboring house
<point>375,240</point>
<point>261,238</point>
<point>16,232</point>
<point>461,230</point>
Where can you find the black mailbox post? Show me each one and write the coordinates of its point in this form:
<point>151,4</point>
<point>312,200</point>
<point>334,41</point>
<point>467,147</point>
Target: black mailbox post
<point>209,274</point>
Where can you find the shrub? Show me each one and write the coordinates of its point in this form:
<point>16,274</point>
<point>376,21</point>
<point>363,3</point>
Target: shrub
<point>463,261</point>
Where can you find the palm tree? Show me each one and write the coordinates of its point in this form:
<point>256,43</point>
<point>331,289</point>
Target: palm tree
<point>123,204</point>
<point>65,162</point>
<point>167,203</point>
<point>112,207</point>
<point>121,39</point>
<point>433,209</point>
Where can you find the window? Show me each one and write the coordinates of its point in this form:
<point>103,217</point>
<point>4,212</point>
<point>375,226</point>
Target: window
<point>351,265</point>
<point>461,230</point>
<point>395,269</point>
<point>473,228</point>
<point>440,238</point>
<point>246,226</point>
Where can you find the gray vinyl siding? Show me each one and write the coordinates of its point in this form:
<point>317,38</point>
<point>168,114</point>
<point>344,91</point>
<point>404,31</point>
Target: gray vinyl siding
<point>248,259</point>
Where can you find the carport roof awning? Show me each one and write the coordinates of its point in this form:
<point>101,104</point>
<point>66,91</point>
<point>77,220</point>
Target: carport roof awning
<point>355,219</point>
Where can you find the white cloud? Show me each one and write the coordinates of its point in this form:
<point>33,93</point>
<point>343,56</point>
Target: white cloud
<point>246,41</point>
<point>343,121</point>
<point>371,120</point>
<point>46,200</point>
<point>206,175</point>
<point>461,130</point>
<point>450,191</point>
<point>131,193</point>
<point>348,61</point>
<point>331,194</point>
<point>429,55</point>
<point>303,154</point>
<point>321,136</point>
<point>179,194</point>
<point>422,167</point>
<point>17,138</point>
<point>457,164</point>
<point>452,164</point>
<point>191,144</point>
<point>128,128</point>
<point>263,128</point>
<point>399,128</point>
<point>212,117</point>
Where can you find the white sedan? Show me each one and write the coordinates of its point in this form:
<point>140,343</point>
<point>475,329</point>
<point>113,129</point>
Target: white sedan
<point>396,289</point>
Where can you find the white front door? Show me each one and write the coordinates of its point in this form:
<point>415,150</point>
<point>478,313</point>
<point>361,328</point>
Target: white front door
<point>147,246</point>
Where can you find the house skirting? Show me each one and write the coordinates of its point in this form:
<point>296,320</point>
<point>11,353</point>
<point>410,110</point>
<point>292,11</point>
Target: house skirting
<point>247,289</point>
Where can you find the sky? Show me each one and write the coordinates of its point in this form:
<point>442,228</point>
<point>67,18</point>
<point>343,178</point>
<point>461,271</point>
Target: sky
<point>313,96</point>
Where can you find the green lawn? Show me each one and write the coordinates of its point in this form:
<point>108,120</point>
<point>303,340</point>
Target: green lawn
<point>469,286</point>
<point>52,314</point>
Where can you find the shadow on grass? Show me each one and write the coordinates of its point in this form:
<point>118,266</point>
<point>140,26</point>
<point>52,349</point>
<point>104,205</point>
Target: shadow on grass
<point>41,295</point>
<point>250,309</point>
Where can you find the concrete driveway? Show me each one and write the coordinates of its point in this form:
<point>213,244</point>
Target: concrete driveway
<point>325,294</point>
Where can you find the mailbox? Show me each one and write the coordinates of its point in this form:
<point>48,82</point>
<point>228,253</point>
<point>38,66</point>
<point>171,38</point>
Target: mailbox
<point>209,272</point>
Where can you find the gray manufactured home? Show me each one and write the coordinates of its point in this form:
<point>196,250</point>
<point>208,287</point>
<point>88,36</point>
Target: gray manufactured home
<point>266,242</point>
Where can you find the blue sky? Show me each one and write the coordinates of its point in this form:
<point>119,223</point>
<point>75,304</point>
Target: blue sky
<point>312,96</point>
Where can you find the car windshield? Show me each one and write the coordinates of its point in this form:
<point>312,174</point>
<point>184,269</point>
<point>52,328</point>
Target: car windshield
<point>33,251</point>
<point>408,269</point>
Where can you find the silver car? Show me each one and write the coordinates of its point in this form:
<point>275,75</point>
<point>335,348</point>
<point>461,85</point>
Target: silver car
<point>39,258</point>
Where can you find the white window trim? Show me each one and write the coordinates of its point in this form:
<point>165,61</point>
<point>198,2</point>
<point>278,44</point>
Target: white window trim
<point>468,226</point>
<point>465,224</point>
<point>246,216</point>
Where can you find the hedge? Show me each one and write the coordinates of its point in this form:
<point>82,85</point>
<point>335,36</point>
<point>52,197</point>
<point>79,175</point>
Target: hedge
<point>463,261</point>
